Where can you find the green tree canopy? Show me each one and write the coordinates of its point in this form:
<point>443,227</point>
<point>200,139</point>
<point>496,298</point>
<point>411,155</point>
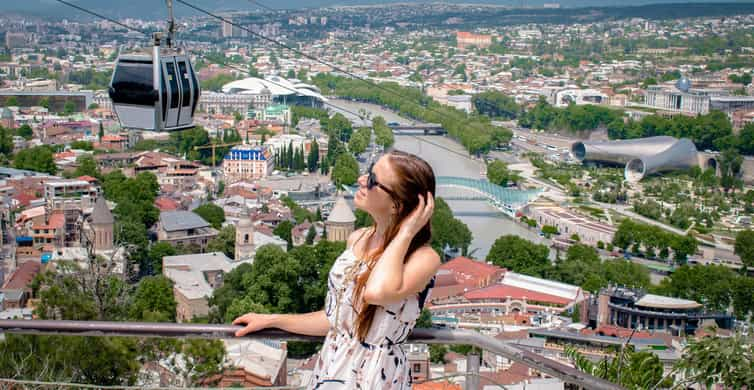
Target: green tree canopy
<point>225,241</point>
<point>345,171</point>
<point>520,255</point>
<point>154,300</point>
<point>498,173</point>
<point>448,230</point>
<point>38,158</point>
<point>744,247</point>
<point>211,213</point>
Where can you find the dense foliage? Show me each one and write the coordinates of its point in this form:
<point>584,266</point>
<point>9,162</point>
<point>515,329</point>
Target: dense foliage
<point>475,133</point>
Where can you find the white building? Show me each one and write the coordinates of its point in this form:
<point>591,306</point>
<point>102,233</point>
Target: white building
<point>195,277</point>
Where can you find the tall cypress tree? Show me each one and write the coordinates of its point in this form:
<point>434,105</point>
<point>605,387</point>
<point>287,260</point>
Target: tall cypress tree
<point>290,155</point>
<point>313,158</point>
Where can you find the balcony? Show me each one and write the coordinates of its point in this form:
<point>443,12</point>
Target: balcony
<point>573,378</point>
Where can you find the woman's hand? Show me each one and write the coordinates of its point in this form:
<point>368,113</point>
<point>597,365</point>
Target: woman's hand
<point>253,322</point>
<point>415,221</point>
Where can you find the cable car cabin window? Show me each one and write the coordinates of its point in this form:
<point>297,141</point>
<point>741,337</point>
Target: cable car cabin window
<point>196,88</point>
<point>164,97</point>
<point>173,84</point>
<point>133,83</point>
<point>185,82</point>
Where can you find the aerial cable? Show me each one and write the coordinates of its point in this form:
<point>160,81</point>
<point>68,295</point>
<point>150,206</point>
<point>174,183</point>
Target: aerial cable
<point>313,58</point>
<point>127,27</point>
<point>200,55</point>
<point>258,4</point>
<point>236,68</point>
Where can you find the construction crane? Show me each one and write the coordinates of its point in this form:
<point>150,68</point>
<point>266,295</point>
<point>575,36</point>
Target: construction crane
<point>215,146</point>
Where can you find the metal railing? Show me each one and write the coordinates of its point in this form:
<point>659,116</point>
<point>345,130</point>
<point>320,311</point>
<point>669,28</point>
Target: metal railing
<point>567,374</point>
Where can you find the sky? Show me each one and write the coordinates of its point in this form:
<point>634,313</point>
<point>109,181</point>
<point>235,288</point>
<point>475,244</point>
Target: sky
<point>155,8</point>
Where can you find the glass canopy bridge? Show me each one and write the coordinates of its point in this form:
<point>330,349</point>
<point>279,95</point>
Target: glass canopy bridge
<point>506,200</point>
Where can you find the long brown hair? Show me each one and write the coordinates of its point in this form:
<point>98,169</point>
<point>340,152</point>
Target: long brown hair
<point>415,177</point>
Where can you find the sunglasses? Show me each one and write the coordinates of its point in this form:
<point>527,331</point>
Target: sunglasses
<point>372,182</point>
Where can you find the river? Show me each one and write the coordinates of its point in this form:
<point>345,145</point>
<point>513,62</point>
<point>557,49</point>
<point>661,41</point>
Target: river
<point>448,158</point>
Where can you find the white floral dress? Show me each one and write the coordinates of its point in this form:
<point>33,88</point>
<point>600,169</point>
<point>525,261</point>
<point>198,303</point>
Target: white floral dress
<point>377,363</point>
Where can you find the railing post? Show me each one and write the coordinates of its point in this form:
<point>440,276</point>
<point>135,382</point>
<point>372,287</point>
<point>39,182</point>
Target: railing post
<point>472,371</point>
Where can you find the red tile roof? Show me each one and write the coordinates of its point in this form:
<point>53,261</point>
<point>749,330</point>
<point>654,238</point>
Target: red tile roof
<point>501,291</point>
<point>471,270</point>
<point>112,138</point>
<point>24,199</point>
<point>166,204</point>
<point>23,275</point>
<point>56,221</point>
<point>87,178</point>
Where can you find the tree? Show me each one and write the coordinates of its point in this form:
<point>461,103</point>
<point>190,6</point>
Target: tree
<point>154,300</point>
<point>383,133</point>
<point>630,369</point>
<point>313,157</point>
<point>157,252</point>
<point>25,131</point>
<point>520,255</point>
<point>339,127</point>
<point>709,285</point>
<point>744,247</point>
<point>69,107</point>
<point>424,320</point>
<point>437,353</point>
<point>579,268</point>
<point>273,280</point>
<point>724,360</point>
<point>549,230</point>
<point>224,242</point>
<point>45,102</point>
<point>498,173</point>
<point>283,230</point>
<point>359,141</point>
<point>346,170</point>
<point>6,141</point>
<point>87,167</point>
<point>82,145</point>
<point>448,231</point>
<point>496,105</point>
<point>38,159</point>
<point>311,235</point>
<point>211,213</point>
<point>11,102</point>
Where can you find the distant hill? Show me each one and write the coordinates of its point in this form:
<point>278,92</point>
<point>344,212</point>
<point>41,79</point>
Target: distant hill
<point>149,9</point>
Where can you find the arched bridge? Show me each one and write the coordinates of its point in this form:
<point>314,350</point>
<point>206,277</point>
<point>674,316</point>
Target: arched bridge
<point>507,200</point>
<point>418,129</point>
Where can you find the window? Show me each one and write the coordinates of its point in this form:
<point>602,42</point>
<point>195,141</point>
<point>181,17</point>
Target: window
<point>417,367</point>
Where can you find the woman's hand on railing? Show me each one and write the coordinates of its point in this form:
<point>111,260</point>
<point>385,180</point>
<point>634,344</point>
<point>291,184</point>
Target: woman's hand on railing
<point>253,322</point>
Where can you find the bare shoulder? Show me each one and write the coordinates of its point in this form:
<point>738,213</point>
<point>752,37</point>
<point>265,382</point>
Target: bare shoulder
<point>426,256</point>
<point>354,236</point>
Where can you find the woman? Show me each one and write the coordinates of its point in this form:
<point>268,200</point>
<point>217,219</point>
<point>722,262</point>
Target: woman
<point>377,286</point>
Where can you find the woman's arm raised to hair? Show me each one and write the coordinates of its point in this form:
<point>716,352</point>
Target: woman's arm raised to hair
<point>310,324</point>
<point>392,279</point>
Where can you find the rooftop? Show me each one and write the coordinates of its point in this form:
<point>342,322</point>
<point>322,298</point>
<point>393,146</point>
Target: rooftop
<point>341,212</point>
<point>544,286</point>
<point>661,302</point>
<point>500,291</point>
<point>470,270</point>
<point>23,275</point>
<point>173,221</point>
<point>187,272</point>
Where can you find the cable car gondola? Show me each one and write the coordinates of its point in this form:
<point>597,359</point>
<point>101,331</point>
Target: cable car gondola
<point>157,92</point>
